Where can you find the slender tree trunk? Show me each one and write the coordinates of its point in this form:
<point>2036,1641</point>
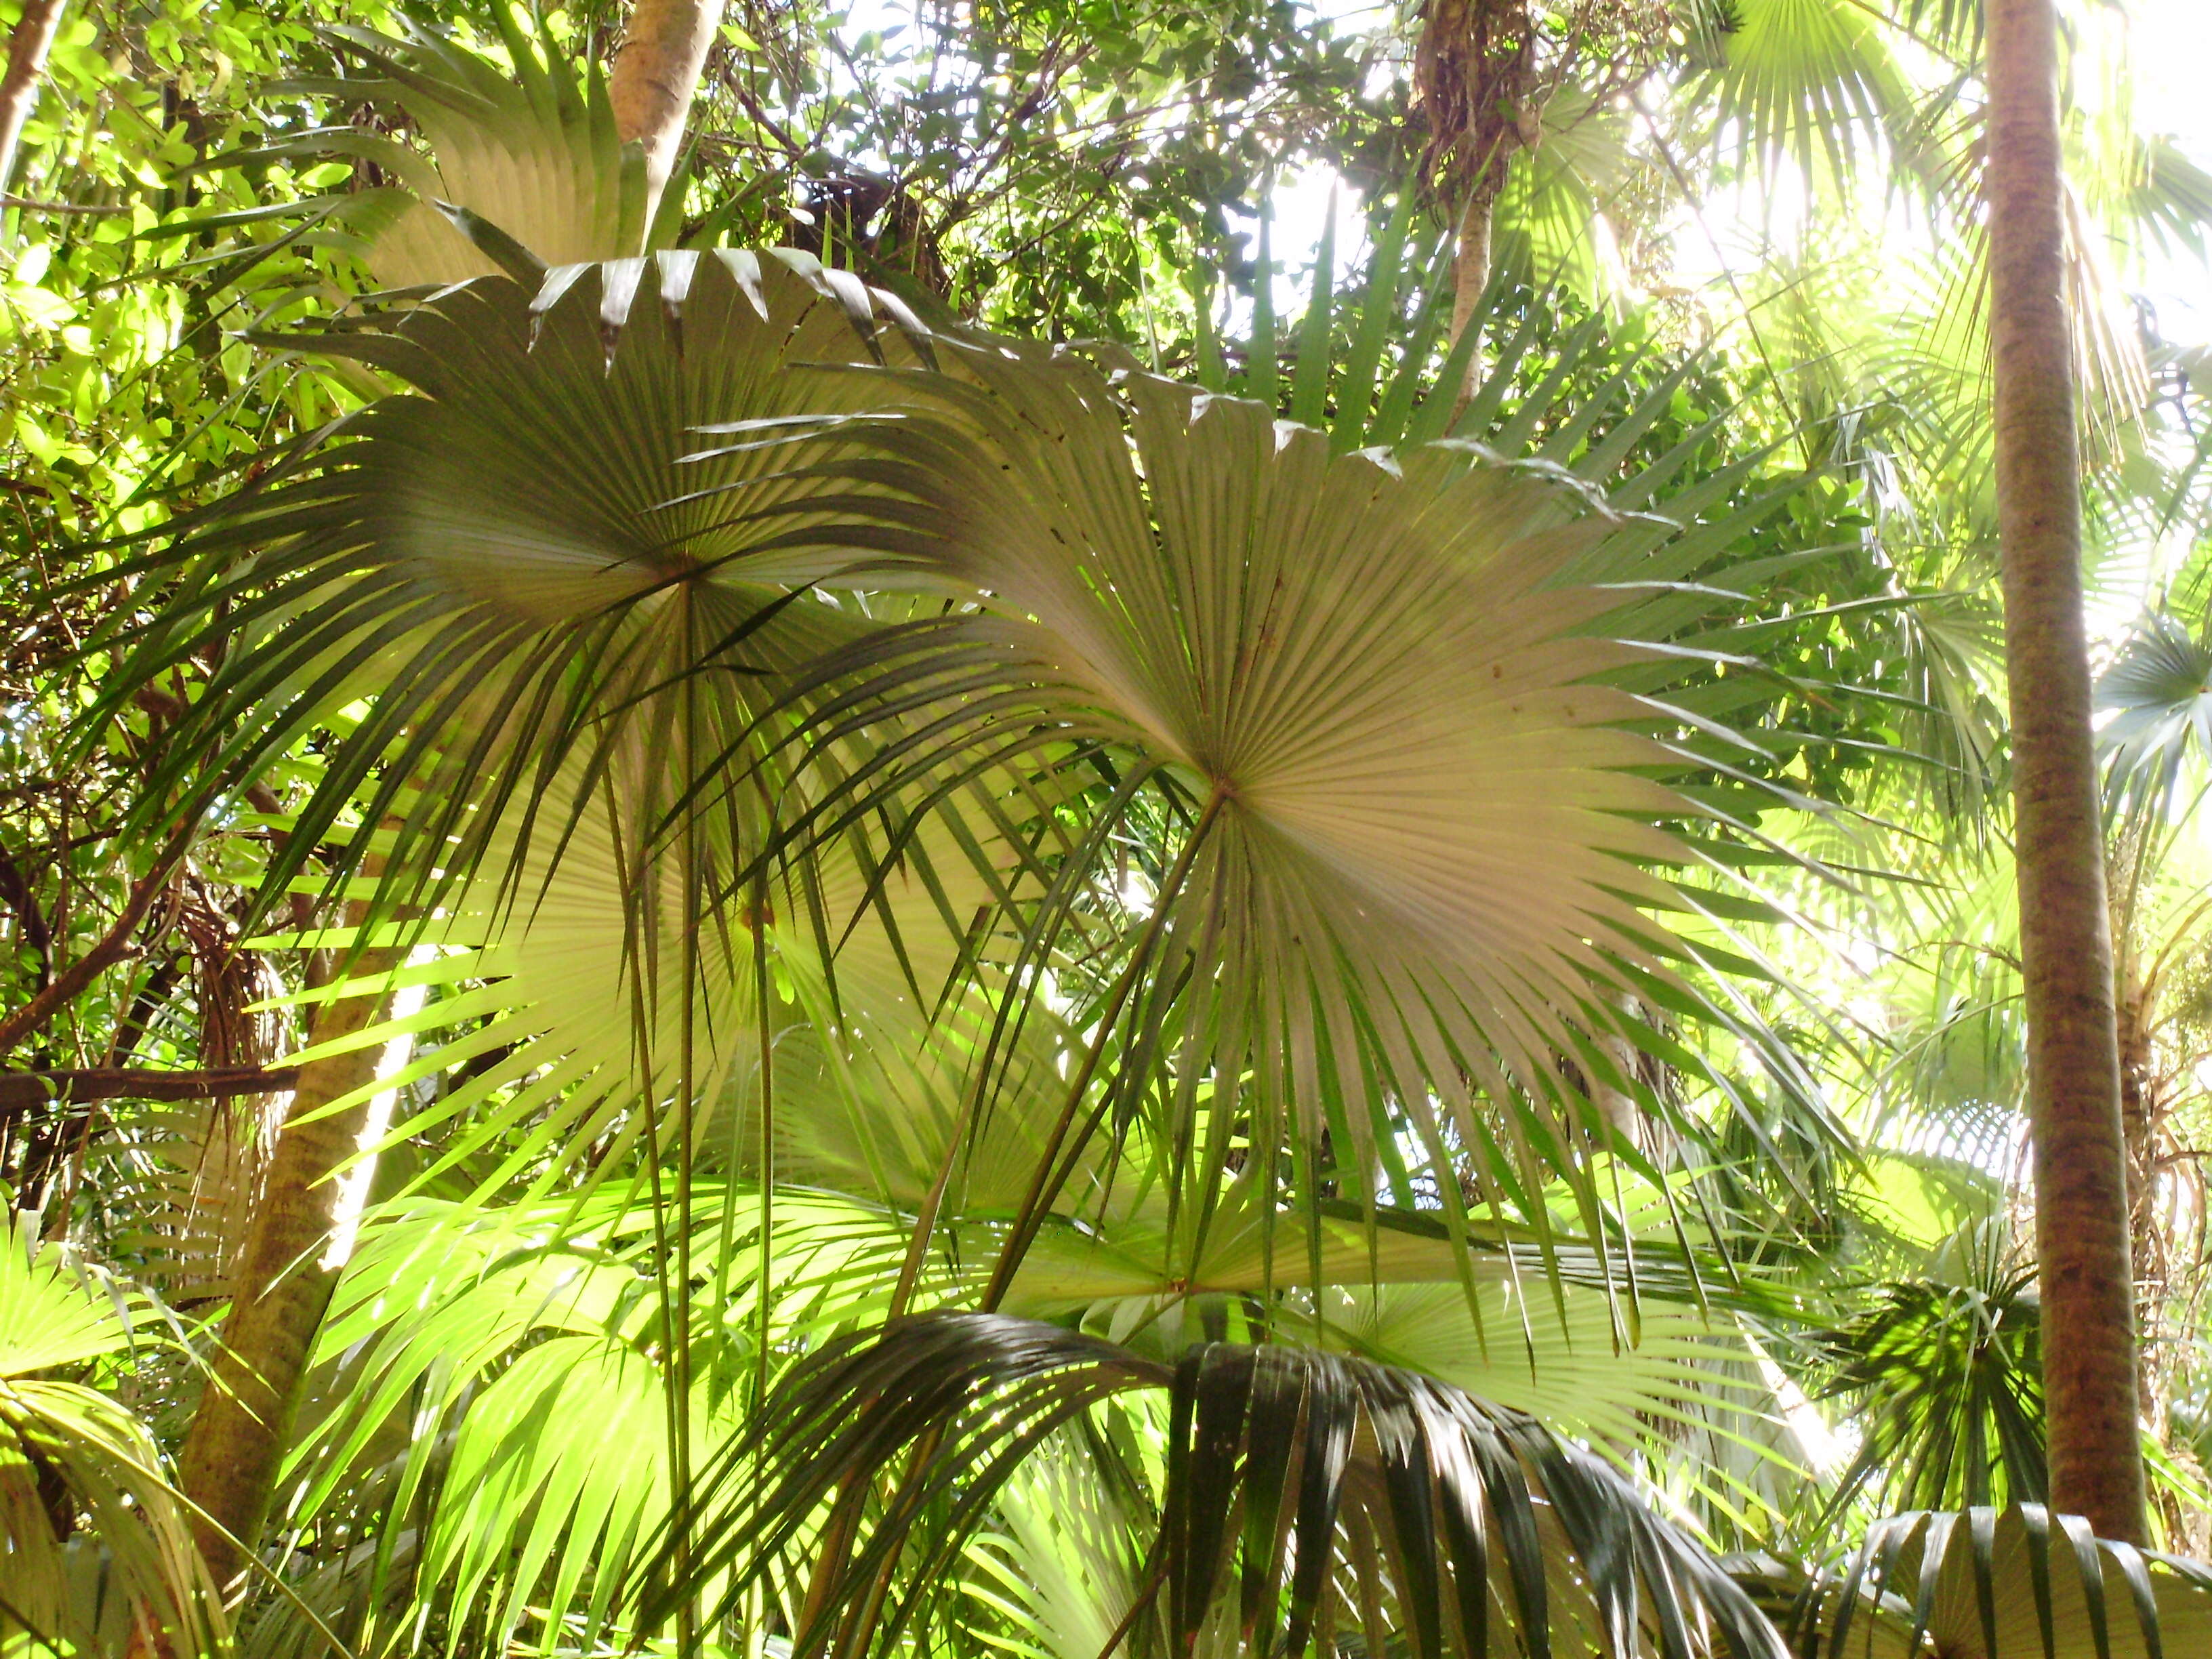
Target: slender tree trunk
<point>237,1441</point>
<point>1471,264</point>
<point>2074,1082</point>
<point>27,46</point>
<point>655,74</point>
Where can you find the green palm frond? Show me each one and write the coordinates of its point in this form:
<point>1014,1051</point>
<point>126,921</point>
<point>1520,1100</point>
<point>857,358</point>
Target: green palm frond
<point>524,161</point>
<point>1305,1493</point>
<point>1803,78</point>
<point>1061,1566</point>
<point>97,1543</point>
<point>1563,1367</point>
<point>2015,1583</point>
<point>2157,691</point>
<point>1943,1376</point>
<point>470,1342</point>
<point>1552,225</point>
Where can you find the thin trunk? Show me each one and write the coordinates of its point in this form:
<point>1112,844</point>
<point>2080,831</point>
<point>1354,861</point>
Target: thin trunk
<point>2074,1087</point>
<point>1471,267</point>
<point>27,46</point>
<point>655,73</point>
<point>238,1439</point>
<point>2139,1135</point>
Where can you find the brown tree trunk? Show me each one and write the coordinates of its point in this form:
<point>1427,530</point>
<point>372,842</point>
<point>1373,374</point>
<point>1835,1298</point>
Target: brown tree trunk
<point>656,72</point>
<point>2074,1082</point>
<point>1471,72</point>
<point>31,39</point>
<point>238,1439</point>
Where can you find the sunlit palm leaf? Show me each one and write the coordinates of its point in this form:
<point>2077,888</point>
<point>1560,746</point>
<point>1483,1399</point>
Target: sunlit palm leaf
<point>525,153</point>
<point>471,1343</point>
<point>97,1543</point>
<point>1944,1377</point>
<point>2158,693</point>
<point>496,560</point>
<point>1802,77</point>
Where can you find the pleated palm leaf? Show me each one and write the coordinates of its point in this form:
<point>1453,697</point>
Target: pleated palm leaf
<point>2158,692</point>
<point>503,1325</point>
<point>1815,83</point>
<point>523,157</point>
<point>493,564</point>
<point>467,1344</point>
<point>1429,803</point>
<point>592,1007</point>
<point>1943,1374</point>
<point>1421,835</point>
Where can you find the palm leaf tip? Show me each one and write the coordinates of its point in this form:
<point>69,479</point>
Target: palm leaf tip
<point>1305,1493</point>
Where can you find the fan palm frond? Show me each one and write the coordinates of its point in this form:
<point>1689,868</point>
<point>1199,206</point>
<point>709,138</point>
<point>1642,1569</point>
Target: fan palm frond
<point>470,1342</point>
<point>524,163</point>
<point>2157,693</point>
<point>496,562</point>
<point>1801,78</point>
<point>1417,863</point>
<point>1944,1379</point>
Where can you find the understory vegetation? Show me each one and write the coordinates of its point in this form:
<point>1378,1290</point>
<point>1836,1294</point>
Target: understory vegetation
<point>1062,828</point>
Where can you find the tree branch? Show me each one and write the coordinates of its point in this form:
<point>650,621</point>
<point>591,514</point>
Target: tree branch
<point>111,947</point>
<point>27,46</point>
<point>21,1090</point>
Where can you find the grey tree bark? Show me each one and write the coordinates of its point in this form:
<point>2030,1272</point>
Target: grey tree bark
<point>30,42</point>
<point>656,72</point>
<point>2073,1088</point>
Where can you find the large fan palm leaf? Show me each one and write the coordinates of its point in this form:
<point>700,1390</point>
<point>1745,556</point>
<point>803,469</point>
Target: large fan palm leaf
<point>1420,864</point>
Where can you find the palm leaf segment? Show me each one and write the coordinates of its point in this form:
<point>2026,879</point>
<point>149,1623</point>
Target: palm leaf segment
<point>1346,1492</point>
